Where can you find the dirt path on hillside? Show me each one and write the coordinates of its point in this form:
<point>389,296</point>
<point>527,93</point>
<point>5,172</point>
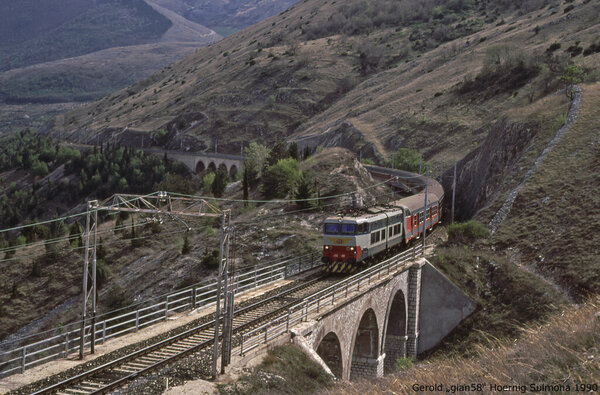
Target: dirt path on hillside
<point>501,215</point>
<point>369,134</point>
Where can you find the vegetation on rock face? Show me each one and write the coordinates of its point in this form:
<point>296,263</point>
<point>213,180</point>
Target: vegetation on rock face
<point>505,69</point>
<point>465,232</point>
<point>285,369</point>
<point>408,159</point>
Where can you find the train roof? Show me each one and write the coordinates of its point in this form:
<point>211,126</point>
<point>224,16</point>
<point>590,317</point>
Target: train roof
<point>373,213</point>
<point>416,202</point>
<point>408,179</point>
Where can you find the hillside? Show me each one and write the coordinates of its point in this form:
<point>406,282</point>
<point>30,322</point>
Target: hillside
<point>85,27</point>
<point>88,77</point>
<point>558,357</point>
<point>28,93</point>
<point>387,83</point>
<point>478,82</point>
<point>226,17</point>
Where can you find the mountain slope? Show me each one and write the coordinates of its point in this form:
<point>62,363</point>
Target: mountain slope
<point>106,24</point>
<point>226,16</point>
<point>391,79</point>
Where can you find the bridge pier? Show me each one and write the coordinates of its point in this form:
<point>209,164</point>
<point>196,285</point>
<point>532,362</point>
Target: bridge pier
<point>414,295</point>
<point>368,368</point>
<point>395,347</point>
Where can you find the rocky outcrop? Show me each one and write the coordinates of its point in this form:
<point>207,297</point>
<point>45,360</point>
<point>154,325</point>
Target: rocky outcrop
<point>344,135</point>
<point>480,173</point>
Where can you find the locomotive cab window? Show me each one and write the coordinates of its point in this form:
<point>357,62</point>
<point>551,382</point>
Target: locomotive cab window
<point>348,229</point>
<point>332,229</point>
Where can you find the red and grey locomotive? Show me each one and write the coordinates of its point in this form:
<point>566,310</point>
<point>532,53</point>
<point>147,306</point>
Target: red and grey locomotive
<point>349,240</point>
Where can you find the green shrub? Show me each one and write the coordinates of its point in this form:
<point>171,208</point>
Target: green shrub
<point>466,232</point>
<point>207,182</point>
<point>367,161</point>
<point>219,183</point>
<point>281,178</point>
<point>408,159</point>
<point>403,364</point>
<point>210,259</point>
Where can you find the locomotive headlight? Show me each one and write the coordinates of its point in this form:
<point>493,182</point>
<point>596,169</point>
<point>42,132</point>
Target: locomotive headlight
<point>351,248</point>
<point>326,247</point>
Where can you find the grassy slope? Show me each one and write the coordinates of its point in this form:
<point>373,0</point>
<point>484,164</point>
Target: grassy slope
<point>91,76</point>
<point>562,352</point>
<point>556,216</point>
<point>108,24</point>
<point>411,103</point>
<point>226,16</point>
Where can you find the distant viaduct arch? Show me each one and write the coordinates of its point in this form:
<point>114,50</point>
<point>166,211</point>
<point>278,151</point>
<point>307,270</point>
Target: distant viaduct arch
<point>198,162</point>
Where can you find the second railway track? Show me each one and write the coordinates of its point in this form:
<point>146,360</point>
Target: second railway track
<point>119,372</point>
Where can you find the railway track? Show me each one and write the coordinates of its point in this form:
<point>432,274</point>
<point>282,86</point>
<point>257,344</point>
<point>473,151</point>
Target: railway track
<point>119,372</point>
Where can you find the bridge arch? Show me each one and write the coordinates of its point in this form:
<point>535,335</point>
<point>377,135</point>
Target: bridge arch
<point>330,351</point>
<point>394,343</point>
<point>223,167</point>
<point>200,167</point>
<point>212,167</point>
<point>233,170</point>
<point>364,357</point>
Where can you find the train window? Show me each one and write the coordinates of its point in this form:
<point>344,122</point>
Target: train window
<point>362,228</point>
<point>332,229</point>
<point>383,234</point>
<point>348,229</point>
<point>375,237</point>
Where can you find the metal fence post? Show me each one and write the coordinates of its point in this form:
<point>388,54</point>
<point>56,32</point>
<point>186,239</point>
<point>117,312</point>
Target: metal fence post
<point>137,320</point>
<point>103,331</point>
<point>287,324</point>
<point>194,296</point>
<point>167,308</point>
<point>66,344</point>
<point>242,345</point>
<point>266,333</point>
<point>23,360</point>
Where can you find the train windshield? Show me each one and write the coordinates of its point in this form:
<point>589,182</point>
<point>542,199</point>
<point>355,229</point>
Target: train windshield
<point>332,229</point>
<point>348,229</point>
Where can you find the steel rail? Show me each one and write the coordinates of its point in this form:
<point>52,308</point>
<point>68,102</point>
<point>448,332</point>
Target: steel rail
<point>165,343</point>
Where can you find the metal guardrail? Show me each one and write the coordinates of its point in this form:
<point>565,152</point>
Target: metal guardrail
<point>54,344</point>
<point>300,311</point>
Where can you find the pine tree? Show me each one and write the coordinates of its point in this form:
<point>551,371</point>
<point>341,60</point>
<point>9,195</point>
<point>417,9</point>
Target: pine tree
<point>186,249</point>
<point>245,186</point>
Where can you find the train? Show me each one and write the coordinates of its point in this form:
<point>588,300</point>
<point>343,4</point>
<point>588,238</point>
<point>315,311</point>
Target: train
<point>350,241</point>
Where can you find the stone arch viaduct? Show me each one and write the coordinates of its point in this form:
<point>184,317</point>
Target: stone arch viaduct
<point>401,316</point>
<point>200,161</point>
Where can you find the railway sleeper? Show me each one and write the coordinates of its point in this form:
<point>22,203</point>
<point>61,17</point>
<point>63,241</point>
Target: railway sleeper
<point>74,391</point>
<point>187,343</point>
<point>139,365</point>
<point>92,384</point>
